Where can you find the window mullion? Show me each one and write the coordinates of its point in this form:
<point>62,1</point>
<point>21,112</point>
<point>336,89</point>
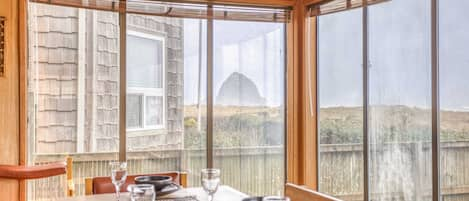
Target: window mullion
<point>436,191</point>
<point>144,109</point>
<point>210,89</point>
<point>122,82</point>
<point>365,82</point>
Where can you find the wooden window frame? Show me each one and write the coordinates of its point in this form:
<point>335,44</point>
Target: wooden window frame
<point>311,179</point>
<point>302,163</point>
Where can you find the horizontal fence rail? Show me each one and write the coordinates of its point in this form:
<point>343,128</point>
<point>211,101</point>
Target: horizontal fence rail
<point>260,170</point>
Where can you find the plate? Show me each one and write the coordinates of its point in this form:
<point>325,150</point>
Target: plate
<point>158,181</point>
<point>253,199</point>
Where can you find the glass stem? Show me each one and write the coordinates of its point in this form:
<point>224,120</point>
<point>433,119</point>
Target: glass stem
<point>210,197</point>
<point>118,189</point>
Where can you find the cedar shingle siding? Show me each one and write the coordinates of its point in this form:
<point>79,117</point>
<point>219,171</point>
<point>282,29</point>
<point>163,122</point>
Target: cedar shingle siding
<point>54,92</point>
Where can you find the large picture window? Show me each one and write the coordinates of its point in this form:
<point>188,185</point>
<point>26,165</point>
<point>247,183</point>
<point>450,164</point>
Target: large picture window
<point>249,104</point>
<point>454,99</point>
<point>340,104</point>
<point>399,110</point>
<point>414,112</point>
<point>76,62</point>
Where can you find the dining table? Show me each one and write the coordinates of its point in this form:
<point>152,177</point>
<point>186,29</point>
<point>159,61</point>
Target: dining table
<point>224,193</point>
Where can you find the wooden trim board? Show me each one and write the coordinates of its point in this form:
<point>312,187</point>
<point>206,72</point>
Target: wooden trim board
<point>302,193</point>
<point>23,101</point>
<point>9,99</point>
<point>301,102</point>
<point>310,106</point>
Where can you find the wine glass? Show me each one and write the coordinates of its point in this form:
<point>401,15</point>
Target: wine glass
<point>118,175</point>
<point>210,181</point>
<point>275,198</point>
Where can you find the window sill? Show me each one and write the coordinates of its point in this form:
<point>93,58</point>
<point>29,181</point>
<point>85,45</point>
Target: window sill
<point>146,132</point>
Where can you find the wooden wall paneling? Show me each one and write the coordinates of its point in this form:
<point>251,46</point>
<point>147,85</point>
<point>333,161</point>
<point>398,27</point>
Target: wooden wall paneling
<point>9,101</point>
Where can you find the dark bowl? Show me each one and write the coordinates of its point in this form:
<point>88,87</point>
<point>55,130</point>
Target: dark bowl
<point>158,181</point>
<point>253,199</point>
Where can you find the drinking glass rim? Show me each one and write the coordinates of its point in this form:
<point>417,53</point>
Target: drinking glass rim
<point>144,186</point>
<point>211,170</point>
<point>118,163</point>
<point>274,197</point>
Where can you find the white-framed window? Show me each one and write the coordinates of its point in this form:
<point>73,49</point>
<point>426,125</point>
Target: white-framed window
<point>145,81</point>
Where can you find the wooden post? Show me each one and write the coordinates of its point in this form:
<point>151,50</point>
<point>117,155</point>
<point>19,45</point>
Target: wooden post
<point>183,179</point>
<point>88,186</point>
<point>70,184</point>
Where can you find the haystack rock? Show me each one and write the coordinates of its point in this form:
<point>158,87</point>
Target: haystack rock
<point>239,90</point>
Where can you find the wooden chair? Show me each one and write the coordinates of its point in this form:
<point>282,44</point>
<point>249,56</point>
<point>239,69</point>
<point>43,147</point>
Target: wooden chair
<point>32,172</point>
<point>300,193</point>
<point>100,185</point>
<point>21,173</point>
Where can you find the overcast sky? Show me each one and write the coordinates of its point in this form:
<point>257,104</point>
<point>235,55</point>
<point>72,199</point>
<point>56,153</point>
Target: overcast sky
<point>252,48</point>
<point>399,53</point>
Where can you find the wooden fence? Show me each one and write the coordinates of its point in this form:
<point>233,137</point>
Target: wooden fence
<point>260,170</point>
<point>392,167</point>
<point>253,170</point>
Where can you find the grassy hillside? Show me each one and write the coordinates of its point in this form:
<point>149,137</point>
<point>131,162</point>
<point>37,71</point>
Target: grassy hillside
<point>236,126</point>
<point>264,126</point>
<point>389,123</point>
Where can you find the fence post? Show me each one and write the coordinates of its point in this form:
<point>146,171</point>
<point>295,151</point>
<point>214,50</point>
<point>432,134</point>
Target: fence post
<point>418,174</point>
